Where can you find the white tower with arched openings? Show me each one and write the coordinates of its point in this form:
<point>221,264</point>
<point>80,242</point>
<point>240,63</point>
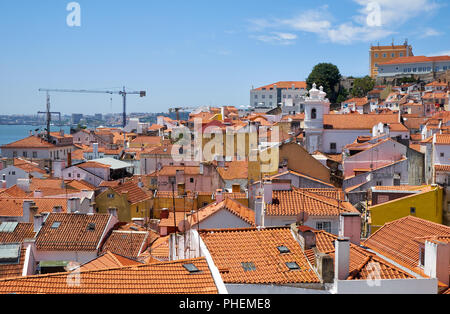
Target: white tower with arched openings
<point>316,106</point>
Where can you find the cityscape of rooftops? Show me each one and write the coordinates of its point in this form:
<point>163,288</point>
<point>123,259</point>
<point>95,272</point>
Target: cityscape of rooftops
<point>244,149</point>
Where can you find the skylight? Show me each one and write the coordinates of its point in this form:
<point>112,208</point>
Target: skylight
<point>91,226</point>
<point>283,249</point>
<point>9,253</point>
<point>248,266</point>
<point>191,268</point>
<point>8,226</point>
<point>56,225</point>
<point>292,266</point>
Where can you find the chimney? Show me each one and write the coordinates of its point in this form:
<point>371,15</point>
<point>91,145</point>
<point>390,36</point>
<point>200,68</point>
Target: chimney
<point>95,150</point>
<point>37,194</point>
<point>140,183</point>
<point>29,210</point>
<point>219,195</point>
<point>350,227</point>
<point>324,266</point>
<point>259,211</point>
<point>24,184</point>
<point>342,258</point>
<point>73,205</point>
<point>112,211</point>
<point>268,189</point>
<point>38,222</point>
<point>57,209</point>
<point>305,236</point>
<point>164,213</point>
<point>3,184</point>
<point>201,168</point>
<point>437,260</point>
<point>69,159</point>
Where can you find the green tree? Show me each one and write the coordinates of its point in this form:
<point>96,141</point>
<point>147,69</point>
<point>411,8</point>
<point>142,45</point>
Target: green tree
<point>342,95</point>
<point>326,75</point>
<point>362,85</point>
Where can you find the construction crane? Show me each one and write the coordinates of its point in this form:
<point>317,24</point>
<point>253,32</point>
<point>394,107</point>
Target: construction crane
<point>123,93</point>
<point>48,118</point>
<point>177,110</point>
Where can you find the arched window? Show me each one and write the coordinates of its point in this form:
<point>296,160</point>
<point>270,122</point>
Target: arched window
<point>313,113</point>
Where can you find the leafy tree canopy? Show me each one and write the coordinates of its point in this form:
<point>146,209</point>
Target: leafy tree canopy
<point>326,75</point>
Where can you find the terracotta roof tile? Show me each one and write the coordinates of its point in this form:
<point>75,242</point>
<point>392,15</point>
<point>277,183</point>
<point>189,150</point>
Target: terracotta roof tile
<point>127,243</point>
<point>134,192</point>
<point>10,270</point>
<point>108,260</point>
<point>158,278</point>
<point>284,84</point>
<point>291,203</point>
<point>362,262</point>
<point>30,142</point>
<point>363,122</point>
<point>251,256</point>
<point>234,170</point>
<point>229,204</point>
<point>397,239</point>
<point>22,231</point>
<point>72,233</point>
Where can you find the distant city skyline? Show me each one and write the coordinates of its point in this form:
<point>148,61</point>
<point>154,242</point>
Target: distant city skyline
<point>194,53</point>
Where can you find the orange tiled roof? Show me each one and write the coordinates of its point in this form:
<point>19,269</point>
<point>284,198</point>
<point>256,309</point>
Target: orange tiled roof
<point>23,230</point>
<point>357,101</point>
<point>29,142</point>
<point>157,278</point>
<point>229,204</point>
<point>135,194</point>
<point>13,207</point>
<point>126,243</point>
<point>11,270</point>
<point>284,84</point>
<point>160,249</point>
<point>397,239</point>
<point>234,170</point>
<point>72,234</point>
<point>363,122</point>
<point>172,170</point>
<point>442,139</point>
<point>362,262</point>
<point>414,59</point>
<point>149,140</point>
<point>291,203</point>
<point>28,166</point>
<point>443,168</point>
<point>108,260</point>
<point>230,248</point>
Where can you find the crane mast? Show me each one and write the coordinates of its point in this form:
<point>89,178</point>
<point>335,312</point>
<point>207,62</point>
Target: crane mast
<point>123,93</point>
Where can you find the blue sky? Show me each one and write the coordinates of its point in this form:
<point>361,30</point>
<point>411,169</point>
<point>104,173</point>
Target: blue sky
<point>198,52</point>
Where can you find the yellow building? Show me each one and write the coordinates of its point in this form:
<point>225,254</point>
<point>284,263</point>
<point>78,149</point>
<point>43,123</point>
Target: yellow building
<point>128,200</point>
<point>380,54</point>
<point>396,202</point>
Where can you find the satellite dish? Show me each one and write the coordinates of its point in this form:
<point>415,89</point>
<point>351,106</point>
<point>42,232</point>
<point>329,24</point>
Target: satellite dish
<point>302,217</point>
<point>184,226</point>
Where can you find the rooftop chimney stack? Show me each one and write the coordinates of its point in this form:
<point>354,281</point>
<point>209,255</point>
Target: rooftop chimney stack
<point>268,189</point>
<point>73,205</point>
<point>219,195</point>
<point>38,221</point>
<point>437,260</point>
<point>342,258</point>
<point>350,226</point>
